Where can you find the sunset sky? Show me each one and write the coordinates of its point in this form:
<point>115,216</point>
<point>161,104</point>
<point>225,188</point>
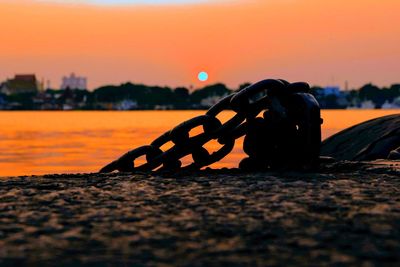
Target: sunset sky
<point>168,42</point>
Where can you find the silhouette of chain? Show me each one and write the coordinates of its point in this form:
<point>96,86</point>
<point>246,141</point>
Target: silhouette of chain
<point>291,116</point>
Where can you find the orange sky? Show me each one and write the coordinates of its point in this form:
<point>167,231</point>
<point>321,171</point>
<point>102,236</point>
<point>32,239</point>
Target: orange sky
<point>322,42</point>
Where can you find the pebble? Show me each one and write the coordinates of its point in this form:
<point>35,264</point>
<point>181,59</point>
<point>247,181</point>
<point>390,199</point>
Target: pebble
<point>347,213</point>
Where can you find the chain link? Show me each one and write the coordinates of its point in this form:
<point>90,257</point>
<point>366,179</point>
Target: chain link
<point>289,106</point>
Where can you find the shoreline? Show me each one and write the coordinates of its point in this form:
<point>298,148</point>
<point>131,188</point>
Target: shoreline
<point>347,213</point>
<point>330,166</point>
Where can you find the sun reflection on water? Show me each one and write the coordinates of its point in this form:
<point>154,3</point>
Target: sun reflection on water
<point>71,142</point>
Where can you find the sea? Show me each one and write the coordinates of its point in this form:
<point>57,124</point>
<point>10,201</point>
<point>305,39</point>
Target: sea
<point>48,142</point>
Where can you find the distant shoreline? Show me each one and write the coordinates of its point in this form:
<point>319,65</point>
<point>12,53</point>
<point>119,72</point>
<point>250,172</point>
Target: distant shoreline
<point>113,110</point>
<point>129,96</point>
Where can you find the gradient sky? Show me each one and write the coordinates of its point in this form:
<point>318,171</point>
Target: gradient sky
<point>168,42</point>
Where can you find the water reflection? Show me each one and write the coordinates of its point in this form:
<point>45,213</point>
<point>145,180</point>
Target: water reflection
<point>70,142</point>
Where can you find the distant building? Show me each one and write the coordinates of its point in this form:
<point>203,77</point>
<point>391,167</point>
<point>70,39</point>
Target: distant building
<point>394,105</point>
<point>368,104</point>
<point>21,83</point>
<point>332,90</point>
<point>211,100</point>
<point>126,105</point>
<point>3,103</point>
<point>74,82</point>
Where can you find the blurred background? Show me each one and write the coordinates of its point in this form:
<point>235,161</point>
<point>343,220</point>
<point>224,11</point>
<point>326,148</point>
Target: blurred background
<point>150,57</point>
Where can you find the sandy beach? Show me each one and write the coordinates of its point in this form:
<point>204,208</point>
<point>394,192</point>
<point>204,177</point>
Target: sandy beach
<point>345,214</point>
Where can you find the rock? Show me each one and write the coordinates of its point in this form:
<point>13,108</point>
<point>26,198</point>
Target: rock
<point>374,139</point>
<point>347,214</point>
<point>394,154</point>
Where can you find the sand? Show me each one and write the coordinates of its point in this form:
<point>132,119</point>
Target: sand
<point>345,214</point>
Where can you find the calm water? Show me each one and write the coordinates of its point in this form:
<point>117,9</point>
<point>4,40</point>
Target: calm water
<point>71,142</point>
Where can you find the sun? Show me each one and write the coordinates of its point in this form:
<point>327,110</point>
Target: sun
<point>202,76</point>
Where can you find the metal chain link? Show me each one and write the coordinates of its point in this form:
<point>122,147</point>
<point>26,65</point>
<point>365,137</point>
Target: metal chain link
<point>291,102</point>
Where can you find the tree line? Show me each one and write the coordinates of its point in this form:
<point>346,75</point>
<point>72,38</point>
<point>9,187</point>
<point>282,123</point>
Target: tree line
<point>151,97</point>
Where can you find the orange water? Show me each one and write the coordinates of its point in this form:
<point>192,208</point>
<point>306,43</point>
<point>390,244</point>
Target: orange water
<point>70,142</point>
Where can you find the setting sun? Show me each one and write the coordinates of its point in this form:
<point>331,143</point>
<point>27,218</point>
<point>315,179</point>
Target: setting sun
<point>203,76</point>
<point>199,132</point>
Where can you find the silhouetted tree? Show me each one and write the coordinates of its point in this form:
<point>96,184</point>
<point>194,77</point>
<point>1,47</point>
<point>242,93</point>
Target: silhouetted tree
<point>242,86</point>
<point>317,91</point>
<point>181,98</point>
<point>373,93</point>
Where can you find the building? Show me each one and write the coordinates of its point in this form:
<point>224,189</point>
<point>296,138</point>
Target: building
<point>394,105</point>
<point>74,82</point>
<point>211,100</point>
<point>331,90</point>
<point>126,105</point>
<point>20,84</point>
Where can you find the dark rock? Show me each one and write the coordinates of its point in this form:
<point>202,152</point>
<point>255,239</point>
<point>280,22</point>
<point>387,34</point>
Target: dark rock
<point>346,215</point>
<point>370,140</point>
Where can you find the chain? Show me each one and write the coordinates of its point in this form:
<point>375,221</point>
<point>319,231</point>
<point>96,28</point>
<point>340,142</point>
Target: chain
<point>287,103</point>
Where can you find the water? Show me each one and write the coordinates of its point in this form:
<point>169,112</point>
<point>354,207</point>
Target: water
<point>71,142</point>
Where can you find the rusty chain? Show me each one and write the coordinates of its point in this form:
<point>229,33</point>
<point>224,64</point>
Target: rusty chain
<point>284,101</point>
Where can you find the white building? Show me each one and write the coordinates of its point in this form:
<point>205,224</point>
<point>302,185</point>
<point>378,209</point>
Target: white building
<point>394,105</point>
<point>367,104</point>
<point>74,82</point>
<point>211,100</point>
<point>126,105</point>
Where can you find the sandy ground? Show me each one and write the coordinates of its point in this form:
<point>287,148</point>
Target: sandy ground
<point>346,214</point>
